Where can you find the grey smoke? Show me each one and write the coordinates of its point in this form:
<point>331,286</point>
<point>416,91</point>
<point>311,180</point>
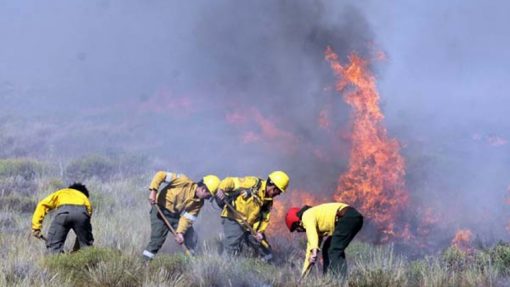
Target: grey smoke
<point>160,77</point>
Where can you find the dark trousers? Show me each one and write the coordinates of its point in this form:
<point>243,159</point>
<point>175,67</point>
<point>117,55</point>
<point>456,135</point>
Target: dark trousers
<point>235,236</point>
<point>68,217</point>
<point>333,251</point>
<point>159,232</point>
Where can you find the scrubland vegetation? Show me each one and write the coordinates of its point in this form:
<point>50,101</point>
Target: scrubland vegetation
<point>121,229</point>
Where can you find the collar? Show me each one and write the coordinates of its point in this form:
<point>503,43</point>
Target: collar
<point>262,192</point>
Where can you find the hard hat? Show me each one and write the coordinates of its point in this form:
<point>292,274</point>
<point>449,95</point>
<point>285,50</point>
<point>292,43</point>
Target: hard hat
<point>280,179</point>
<point>291,218</point>
<point>211,182</point>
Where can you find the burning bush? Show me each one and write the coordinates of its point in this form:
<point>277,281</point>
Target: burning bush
<point>463,240</point>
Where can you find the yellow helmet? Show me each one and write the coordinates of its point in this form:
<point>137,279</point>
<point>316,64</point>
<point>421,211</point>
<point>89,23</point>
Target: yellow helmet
<point>211,182</point>
<point>280,179</point>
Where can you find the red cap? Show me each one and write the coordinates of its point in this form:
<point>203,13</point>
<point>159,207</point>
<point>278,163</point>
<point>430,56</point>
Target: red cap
<point>292,217</point>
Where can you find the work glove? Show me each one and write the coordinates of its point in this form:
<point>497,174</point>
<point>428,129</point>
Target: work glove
<point>259,236</point>
<point>37,233</point>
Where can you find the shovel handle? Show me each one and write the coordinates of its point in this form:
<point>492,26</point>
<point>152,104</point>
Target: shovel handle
<point>245,224</point>
<point>172,230</point>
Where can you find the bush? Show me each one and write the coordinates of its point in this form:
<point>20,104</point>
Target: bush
<point>24,168</point>
<point>75,267</point>
<point>88,167</point>
<point>500,256</point>
<point>17,176</point>
<point>108,267</point>
<point>122,271</point>
<point>455,259</point>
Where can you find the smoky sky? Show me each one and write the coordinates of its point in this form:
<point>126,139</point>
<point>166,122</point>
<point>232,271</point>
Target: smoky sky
<point>239,88</point>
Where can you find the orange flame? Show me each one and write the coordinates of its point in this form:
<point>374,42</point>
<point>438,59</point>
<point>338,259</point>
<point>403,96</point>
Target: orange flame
<point>463,239</point>
<point>264,130</point>
<point>374,182</point>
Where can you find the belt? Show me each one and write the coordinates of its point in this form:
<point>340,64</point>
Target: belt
<point>341,212</point>
<point>71,205</point>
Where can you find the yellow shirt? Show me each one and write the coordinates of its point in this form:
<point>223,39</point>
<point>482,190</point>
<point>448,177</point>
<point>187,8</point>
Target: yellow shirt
<point>319,221</point>
<point>252,202</point>
<point>178,197</point>
<point>56,199</point>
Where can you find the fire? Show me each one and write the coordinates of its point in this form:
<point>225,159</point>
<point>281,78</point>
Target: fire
<point>262,129</point>
<point>463,239</point>
<point>374,182</point>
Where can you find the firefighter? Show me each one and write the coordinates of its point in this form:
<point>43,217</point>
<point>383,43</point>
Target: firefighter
<point>337,223</point>
<point>73,211</point>
<point>252,199</point>
<point>180,201</point>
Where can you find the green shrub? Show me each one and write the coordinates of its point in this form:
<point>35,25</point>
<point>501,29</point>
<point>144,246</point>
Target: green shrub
<point>88,167</point>
<point>500,256</point>
<point>76,266</point>
<point>24,168</point>
<point>17,176</point>
<point>455,259</point>
<point>122,271</point>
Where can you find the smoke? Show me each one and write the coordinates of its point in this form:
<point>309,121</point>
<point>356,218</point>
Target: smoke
<point>240,88</point>
<point>446,100</point>
<point>165,79</point>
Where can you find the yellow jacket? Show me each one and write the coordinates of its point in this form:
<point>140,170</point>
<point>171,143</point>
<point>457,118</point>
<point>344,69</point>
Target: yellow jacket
<point>56,199</point>
<point>252,202</point>
<point>178,197</point>
<point>319,221</point>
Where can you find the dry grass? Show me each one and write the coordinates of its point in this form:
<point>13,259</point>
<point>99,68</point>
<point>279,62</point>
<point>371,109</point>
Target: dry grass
<point>121,229</point>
